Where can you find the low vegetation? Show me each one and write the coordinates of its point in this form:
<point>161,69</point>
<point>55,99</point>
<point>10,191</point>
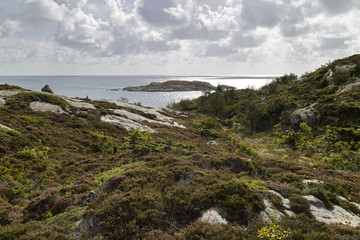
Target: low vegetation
<point>76,177</point>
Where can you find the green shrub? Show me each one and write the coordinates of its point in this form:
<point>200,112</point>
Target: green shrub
<point>211,123</point>
<point>255,184</point>
<point>135,135</point>
<point>184,105</point>
<point>34,153</point>
<point>8,132</point>
<point>340,76</point>
<point>102,143</point>
<point>243,147</point>
<point>345,160</point>
<point>209,133</point>
<point>32,119</point>
<point>213,103</point>
<point>239,200</point>
<point>102,177</point>
<point>299,204</point>
<point>302,139</point>
<point>273,232</point>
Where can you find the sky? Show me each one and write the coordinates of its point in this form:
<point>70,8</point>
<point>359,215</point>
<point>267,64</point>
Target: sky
<point>175,37</point>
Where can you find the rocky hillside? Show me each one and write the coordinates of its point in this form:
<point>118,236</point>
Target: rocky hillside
<point>237,164</point>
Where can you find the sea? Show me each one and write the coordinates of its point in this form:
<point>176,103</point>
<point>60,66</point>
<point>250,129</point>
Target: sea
<point>110,87</point>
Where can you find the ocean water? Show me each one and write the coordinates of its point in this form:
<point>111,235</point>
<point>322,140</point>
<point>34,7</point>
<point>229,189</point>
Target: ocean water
<point>101,87</point>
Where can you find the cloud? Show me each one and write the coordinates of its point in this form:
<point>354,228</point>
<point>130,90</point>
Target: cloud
<point>294,23</point>
<point>260,13</point>
<point>333,43</point>
<point>37,12</point>
<point>198,32</point>
<point>336,6</point>
<point>214,50</point>
<point>243,41</point>
<point>161,13</point>
<point>190,32</point>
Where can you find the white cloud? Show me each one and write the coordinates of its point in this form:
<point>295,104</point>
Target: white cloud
<point>178,32</point>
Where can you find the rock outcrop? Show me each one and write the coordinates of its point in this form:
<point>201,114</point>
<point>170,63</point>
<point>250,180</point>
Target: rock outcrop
<point>308,115</point>
<point>349,86</point>
<point>272,212</point>
<point>80,104</point>
<point>212,217</point>
<point>46,107</point>
<point>47,89</point>
<point>337,215</point>
<point>173,86</point>
<point>128,124</point>
<point>8,93</point>
<point>328,74</point>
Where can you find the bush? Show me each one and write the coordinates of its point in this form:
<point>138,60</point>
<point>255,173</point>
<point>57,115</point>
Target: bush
<point>240,200</point>
<point>103,177</point>
<point>345,160</point>
<point>340,76</point>
<point>299,204</point>
<point>34,153</point>
<point>102,143</point>
<point>273,232</point>
<point>211,123</point>
<point>303,139</point>
<point>243,147</point>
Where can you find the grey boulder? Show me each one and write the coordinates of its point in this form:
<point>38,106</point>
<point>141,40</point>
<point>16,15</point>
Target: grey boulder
<point>308,115</point>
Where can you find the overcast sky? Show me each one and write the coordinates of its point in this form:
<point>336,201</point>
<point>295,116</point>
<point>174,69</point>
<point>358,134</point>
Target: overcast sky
<point>175,37</point>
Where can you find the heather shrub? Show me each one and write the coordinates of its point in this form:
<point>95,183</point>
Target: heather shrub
<point>299,204</point>
<point>43,97</point>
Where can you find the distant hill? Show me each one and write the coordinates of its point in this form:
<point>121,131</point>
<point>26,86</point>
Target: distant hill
<point>175,86</point>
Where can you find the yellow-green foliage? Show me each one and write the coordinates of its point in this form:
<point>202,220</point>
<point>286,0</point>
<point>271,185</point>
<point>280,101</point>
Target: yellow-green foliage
<point>302,139</point>
<point>102,177</point>
<point>211,123</point>
<point>66,218</point>
<point>135,135</point>
<point>273,232</point>
<point>32,119</point>
<point>34,153</point>
<point>255,184</point>
<point>8,131</point>
<point>345,160</point>
<point>102,143</point>
<point>243,147</point>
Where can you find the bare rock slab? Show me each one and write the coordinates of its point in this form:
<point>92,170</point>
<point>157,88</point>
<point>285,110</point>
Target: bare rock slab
<point>337,215</point>
<point>128,124</point>
<point>46,107</point>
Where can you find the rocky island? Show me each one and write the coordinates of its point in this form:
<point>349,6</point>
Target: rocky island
<point>175,86</point>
